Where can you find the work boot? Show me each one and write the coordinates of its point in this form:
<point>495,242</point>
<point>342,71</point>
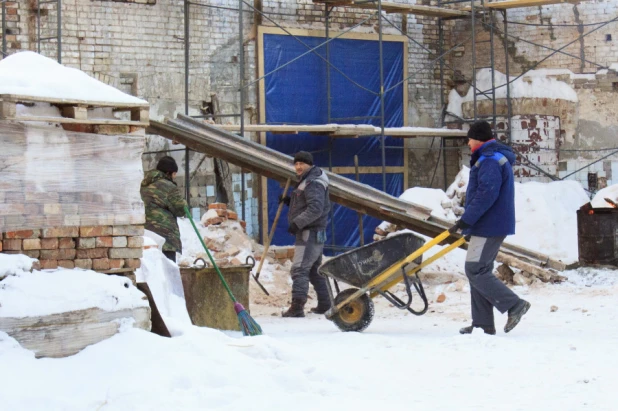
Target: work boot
<point>515,314</point>
<point>488,329</point>
<point>297,308</point>
<point>321,308</point>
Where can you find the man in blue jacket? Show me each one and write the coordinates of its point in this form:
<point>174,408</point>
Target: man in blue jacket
<point>307,217</point>
<point>488,218</point>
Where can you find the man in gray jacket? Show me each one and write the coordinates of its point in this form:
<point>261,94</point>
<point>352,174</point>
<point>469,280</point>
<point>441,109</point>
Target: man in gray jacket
<point>307,218</point>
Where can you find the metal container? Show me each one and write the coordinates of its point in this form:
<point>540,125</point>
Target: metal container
<point>208,303</point>
<point>597,236</point>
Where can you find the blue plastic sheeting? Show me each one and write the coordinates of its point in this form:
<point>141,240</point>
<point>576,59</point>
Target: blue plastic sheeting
<point>297,93</point>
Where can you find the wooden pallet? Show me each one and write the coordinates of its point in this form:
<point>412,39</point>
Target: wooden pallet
<point>391,7</point>
<point>73,111</point>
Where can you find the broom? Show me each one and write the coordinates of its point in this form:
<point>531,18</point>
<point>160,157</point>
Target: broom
<point>247,324</point>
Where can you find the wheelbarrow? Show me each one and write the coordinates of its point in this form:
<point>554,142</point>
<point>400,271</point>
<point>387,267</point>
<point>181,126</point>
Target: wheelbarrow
<point>372,270</point>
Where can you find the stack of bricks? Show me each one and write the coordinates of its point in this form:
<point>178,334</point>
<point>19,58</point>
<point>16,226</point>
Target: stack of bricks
<point>223,214</point>
<point>99,248</point>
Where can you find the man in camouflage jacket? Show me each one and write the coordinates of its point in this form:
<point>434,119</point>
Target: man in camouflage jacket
<point>163,203</point>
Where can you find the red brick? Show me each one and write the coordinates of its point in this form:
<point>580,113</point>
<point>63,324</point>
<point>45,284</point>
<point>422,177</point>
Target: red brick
<point>31,244</point>
<point>11,209</point>
<point>96,231</point>
<point>66,264</point>
<point>49,243</point>
<point>12,245</point>
<point>100,264</point>
<point>66,243</point>
<point>48,264</point>
<point>92,253</point>
<point>104,242</point>
<point>221,213</point>
<point>60,254</point>
<point>243,224</point>
<point>31,253</point>
<point>85,263</point>
<point>23,234</point>
<point>132,263</point>
<point>214,221</point>
<point>135,242</point>
<point>86,242</point>
<point>232,215</point>
<point>217,206</point>
<point>0,245</point>
<point>61,232</point>
<point>116,264</point>
<point>128,230</point>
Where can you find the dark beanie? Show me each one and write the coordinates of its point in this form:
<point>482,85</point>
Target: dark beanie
<point>167,165</point>
<point>303,157</point>
<point>481,131</point>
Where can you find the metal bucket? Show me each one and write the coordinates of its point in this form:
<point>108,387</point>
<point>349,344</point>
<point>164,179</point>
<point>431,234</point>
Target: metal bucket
<point>208,303</point>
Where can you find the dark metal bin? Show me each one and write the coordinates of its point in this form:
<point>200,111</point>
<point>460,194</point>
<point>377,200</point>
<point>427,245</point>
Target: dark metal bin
<point>597,236</point>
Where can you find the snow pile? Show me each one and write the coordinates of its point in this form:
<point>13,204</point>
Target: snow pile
<point>29,74</point>
<point>227,243</point>
<point>545,213</point>
<point>50,292</point>
<point>536,84</point>
<point>610,192</point>
<point>14,264</point>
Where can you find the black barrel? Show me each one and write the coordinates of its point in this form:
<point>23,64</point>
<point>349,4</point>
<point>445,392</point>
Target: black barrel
<point>597,236</point>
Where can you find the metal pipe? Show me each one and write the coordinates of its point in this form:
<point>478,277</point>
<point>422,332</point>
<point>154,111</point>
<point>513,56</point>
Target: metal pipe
<point>493,68</point>
<point>442,102</point>
<point>381,57</point>
<point>3,29</point>
<point>59,30</point>
<point>187,172</point>
<point>241,77</point>
<point>38,26</point>
<point>509,106</point>
<point>473,15</point>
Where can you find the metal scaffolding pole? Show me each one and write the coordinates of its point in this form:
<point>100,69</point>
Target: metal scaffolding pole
<point>187,177</point>
<point>328,114</point>
<point>509,107</point>
<point>473,16</point>
<point>493,70</point>
<point>3,29</point>
<point>59,30</point>
<point>381,57</point>
<point>241,78</point>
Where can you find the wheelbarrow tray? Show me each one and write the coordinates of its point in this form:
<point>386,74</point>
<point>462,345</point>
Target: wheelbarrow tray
<point>357,267</point>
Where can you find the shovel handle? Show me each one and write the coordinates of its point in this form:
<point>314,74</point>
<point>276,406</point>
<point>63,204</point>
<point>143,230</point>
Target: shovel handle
<point>272,231</point>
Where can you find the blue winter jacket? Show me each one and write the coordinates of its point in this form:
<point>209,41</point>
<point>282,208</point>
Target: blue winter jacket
<point>490,198</point>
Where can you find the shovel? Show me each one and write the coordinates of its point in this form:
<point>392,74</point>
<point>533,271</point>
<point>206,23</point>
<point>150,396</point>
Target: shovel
<point>270,237</point>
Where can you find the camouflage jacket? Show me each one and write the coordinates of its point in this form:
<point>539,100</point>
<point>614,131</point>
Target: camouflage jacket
<point>163,203</point>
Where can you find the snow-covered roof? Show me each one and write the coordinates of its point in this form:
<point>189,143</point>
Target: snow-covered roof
<point>32,75</point>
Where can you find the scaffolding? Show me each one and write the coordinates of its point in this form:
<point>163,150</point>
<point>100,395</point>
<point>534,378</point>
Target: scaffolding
<point>445,11</point>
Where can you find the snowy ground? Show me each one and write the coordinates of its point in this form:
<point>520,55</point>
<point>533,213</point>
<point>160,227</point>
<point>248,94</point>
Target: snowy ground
<point>563,359</point>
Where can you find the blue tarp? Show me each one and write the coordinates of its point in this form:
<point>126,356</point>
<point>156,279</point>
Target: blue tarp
<point>297,94</point>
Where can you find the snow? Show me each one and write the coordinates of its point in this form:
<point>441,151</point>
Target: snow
<point>41,293</point>
<point>610,192</point>
<point>535,84</point>
<point>29,74</point>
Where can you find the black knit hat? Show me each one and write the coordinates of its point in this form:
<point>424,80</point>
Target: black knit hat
<point>480,131</point>
<point>167,165</point>
<point>303,157</point>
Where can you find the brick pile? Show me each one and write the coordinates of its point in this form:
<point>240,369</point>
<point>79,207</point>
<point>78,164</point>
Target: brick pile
<point>98,248</point>
<point>223,214</point>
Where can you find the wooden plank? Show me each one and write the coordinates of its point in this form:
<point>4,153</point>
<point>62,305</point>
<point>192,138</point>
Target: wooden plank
<point>16,98</point>
<point>391,7</point>
<point>512,4</point>
<point>423,132</point>
<point>367,170</point>
<point>64,334</point>
<point>77,121</point>
<point>8,109</point>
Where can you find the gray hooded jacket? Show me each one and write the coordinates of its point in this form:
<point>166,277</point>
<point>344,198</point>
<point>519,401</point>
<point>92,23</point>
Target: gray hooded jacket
<point>309,203</point>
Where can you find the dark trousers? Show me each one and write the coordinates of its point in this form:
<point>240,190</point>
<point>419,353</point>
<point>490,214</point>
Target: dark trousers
<point>486,290</point>
<point>307,259</point>
<point>171,255</point>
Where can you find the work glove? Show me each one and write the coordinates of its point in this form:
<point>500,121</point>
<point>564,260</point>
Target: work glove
<point>459,225</point>
<point>285,200</point>
<point>293,229</point>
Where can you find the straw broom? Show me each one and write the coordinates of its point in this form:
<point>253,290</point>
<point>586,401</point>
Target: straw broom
<point>247,324</point>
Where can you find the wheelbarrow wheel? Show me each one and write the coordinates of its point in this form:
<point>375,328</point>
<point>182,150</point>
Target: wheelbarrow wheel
<point>355,315</point>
